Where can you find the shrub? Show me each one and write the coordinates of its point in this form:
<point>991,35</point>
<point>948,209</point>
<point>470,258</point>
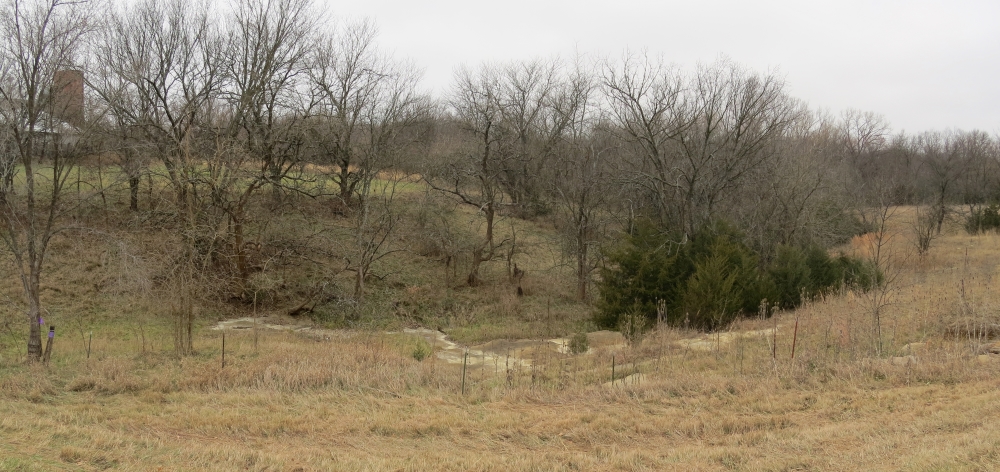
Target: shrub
<point>709,280</point>
<point>705,281</point>
<point>983,219</point>
<point>809,272</point>
<point>421,350</point>
<point>792,275</point>
<point>725,283</point>
<point>926,228</point>
<point>648,268</point>
<point>860,274</point>
<point>579,343</point>
<point>825,272</point>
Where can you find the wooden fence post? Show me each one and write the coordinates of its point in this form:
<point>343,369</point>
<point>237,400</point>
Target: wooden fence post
<point>48,344</point>
<point>465,362</point>
<point>223,349</point>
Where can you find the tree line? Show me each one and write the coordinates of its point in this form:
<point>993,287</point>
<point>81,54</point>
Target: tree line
<point>252,100</point>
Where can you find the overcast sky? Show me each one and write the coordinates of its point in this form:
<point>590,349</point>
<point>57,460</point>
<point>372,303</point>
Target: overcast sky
<point>931,64</point>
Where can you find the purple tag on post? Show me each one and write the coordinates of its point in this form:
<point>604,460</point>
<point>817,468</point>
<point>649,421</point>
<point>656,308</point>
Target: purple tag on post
<point>52,334</point>
<point>41,321</point>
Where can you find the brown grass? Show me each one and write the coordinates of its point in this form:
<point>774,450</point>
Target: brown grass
<point>357,400</point>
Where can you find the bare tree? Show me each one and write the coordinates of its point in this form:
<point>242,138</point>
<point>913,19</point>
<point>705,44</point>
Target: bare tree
<point>160,70</point>
<point>645,103</point>
<point>736,120</point>
<point>265,70</point>
<point>366,116</point>
<point>864,137</point>
<point>980,183</point>
<point>162,64</point>
<point>883,262</point>
<point>346,73</point>
<point>798,196</point>
<point>584,174</point>
<point>265,73</point>
<point>696,138</point>
<point>39,38</point>
<point>924,224</point>
<point>864,134</point>
<point>375,223</point>
<point>528,130</point>
<point>393,131</point>
<point>119,137</point>
<point>473,174</point>
<point>945,163</point>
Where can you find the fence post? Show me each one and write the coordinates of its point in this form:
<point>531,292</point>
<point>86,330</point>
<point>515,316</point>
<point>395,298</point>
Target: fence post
<point>795,335</point>
<point>223,349</point>
<point>774,338</point>
<point>48,344</point>
<point>465,362</point>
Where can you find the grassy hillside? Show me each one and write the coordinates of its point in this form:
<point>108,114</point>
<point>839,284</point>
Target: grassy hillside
<point>109,271</point>
<point>357,392</point>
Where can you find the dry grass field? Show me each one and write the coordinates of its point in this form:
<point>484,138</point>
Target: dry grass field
<point>353,399</point>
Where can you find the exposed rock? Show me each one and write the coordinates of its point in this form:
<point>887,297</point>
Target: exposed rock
<point>499,354</point>
<point>713,341</point>
<point>247,324</point>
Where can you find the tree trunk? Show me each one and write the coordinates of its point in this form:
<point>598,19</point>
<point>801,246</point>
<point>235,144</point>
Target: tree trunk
<point>582,224</point>
<point>276,195</point>
<point>133,190</point>
<point>477,260</point>
<point>344,181</point>
<point>359,283</point>
<point>35,318</point>
<point>942,209</point>
<point>479,255</point>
